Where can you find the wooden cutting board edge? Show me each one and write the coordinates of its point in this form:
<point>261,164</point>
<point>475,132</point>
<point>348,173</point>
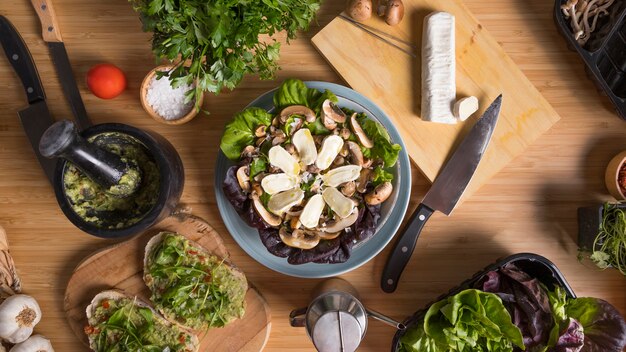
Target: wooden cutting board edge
<point>256,343</point>
<point>474,185</point>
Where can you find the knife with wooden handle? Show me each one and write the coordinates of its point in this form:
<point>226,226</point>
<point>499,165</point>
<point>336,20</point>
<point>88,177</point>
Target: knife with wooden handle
<point>52,35</point>
<point>443,194</point>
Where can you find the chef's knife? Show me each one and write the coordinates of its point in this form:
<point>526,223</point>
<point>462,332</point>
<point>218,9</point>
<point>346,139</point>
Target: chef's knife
<point>52,35</point>
<point>36,118</point>
<point>443,194</point>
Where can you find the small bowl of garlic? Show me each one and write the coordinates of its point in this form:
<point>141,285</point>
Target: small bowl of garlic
<point>165,103</point>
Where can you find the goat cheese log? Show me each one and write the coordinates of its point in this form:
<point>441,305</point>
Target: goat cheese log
<point>438,68</point>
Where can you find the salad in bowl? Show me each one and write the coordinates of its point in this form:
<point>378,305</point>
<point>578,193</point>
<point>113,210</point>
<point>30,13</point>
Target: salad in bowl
<point>311,176</point>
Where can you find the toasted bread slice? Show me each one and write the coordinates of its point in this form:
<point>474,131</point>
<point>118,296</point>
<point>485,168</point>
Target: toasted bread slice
<point>191,286</point>
<point>106,304</point>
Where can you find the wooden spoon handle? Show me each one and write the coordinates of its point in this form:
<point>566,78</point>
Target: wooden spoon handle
<point>49,24</point>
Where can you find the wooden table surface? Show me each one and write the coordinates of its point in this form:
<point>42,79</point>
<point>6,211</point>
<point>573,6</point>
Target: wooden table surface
<point>528,207</point>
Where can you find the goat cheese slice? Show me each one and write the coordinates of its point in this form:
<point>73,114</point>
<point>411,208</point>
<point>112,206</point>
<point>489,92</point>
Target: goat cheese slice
<point>438,68</point>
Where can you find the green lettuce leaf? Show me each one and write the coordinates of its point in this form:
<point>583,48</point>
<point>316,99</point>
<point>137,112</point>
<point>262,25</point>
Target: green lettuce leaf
<point>257,166</point>
<point>381,176</point>
<point>240,131</point>
<point>470,321</point>
<point>383,148</point>
<point>295,92</point>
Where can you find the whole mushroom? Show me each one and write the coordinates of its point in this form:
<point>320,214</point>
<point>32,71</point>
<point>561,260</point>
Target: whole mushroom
<point>379,194</point>
<point>360,10</point>
<point>392,11</point>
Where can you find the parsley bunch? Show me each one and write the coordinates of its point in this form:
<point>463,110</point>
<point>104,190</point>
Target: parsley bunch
<point>216,42</point>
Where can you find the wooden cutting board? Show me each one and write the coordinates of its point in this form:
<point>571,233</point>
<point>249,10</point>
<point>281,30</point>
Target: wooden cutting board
<point>392,79</point>
<point>121,267</point>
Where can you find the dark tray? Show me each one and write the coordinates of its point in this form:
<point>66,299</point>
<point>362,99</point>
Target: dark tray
<point>605,54</point>
<point>533,264</point>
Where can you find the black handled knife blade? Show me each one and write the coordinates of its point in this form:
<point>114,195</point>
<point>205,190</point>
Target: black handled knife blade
<point>35,118</point>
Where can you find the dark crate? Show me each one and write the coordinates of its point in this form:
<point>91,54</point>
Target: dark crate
<point>533,264</point>
<point>605,54</point>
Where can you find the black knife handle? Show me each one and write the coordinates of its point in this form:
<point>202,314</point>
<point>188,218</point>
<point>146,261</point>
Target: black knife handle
<point>21,60</point>
<point>403,249</point>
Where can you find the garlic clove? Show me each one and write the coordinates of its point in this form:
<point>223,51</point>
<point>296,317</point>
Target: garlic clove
<point>304,143</point>
<point>340,204</point>
<point>342,174</point>
<point>18,316</point>
<point>312,211</point>
<point>281,202</point>
<point>34,343</point>
<point>280,158</point>
<point>329,151</point>
<point>275,183</point>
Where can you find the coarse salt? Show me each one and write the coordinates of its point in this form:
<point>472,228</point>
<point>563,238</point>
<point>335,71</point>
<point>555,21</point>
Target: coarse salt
<point>168,102</point>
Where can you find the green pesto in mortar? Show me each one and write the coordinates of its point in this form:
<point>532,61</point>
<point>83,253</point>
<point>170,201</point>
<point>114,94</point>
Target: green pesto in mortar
<point>99,206</point>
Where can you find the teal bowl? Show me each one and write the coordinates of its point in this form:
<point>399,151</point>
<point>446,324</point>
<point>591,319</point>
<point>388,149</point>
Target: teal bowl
<point>392,211</point>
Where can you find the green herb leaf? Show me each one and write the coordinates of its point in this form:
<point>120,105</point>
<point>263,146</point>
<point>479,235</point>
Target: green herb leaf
<point>219,39</point>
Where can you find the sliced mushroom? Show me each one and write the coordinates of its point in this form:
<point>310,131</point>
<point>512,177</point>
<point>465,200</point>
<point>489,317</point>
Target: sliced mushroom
<point>344,150</point>
<point>294,211</point>
<point>363,181</point>
<point>243,178</point>
<point>275,183</point>
<point>291,149</point>
<point>340,224</point>
<point>295,126</point>
<point>333,112</point>
<point>330,148</point>
<point>360,134</point>
<point>280,158</point>
<point>339,161</point>
<point>299,238</point>
<point>340,204</point>
<point>342,174</point>
<point>304,143</point>
<point>301,110</point>
<point>312,211</point>
<point>348,189</point>
<point>268,217</point>
<point>294,222</point>
<point>345,133</point>
<point>248,152</point>
<point>260,131</point>
<point>257,189</point>
<point>356,154</point>
<point>328,235</point>
<point>278,137</point>
<point>379,194</point>
<point>329,123</point>
<point>279,203</point>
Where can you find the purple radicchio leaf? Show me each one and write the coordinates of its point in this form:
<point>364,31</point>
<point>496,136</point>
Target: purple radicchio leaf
<point>525,300</point>
<point>571,339</point>
<point>603,325</point>
<point>233,192</point>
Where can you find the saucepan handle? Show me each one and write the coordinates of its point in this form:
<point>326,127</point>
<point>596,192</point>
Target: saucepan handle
<point>385,319</point>
<point>297,317</point>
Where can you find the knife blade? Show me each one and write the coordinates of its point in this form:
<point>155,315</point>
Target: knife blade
<point>444,194</point>
<point>52,35</point>
<point>36,118</point>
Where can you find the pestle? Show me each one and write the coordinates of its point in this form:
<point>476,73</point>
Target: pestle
<point>116,176</point>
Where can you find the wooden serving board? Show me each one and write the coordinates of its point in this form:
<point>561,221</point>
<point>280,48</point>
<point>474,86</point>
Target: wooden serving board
<point>121,267</point>
<point>392,79</point>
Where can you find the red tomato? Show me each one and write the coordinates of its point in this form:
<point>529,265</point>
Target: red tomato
<point>106,81</point>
